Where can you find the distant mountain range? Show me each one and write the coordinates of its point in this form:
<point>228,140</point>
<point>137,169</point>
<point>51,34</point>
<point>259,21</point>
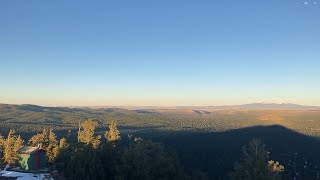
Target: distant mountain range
<point>252,106</point>
<point>263,106</point>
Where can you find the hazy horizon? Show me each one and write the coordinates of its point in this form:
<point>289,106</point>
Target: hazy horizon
<point>159,53</point>
<point>170,106</point>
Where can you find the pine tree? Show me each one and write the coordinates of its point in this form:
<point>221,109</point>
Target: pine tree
<point>2,151</point>
<point>52,149</point>
<point>48,141</point>
<point>8,153</point>
<point>41,139</point>
<point>275,166</point>
<point>51,153</point>
<point>63,143</point>
<point>52,138</point>
<point>13,144</point>
<point>86,131</point>
<point>113,134</point>
<point>62,151</point>
<point>255,164</point>
<point>45,141</point>
<point>36,140</point>
<point>96,142</point>
<point>18,144</point>
<point>147,160</point>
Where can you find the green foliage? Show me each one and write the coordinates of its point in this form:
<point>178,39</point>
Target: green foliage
<point>12,145</point>
<point>204,147</point>
<point>80,162</point>
<point>96,141</point>
<point>48,141</point>
<point>63,144</point>
<point>255,164</point>
<point>30,118</point>
<point>86,133</point>
<point>275,166</point>
<point>2,151</point>
<point>52,150</point>
<point>147,160</point>
<point>113,134</point>
<point>40,139</point>
<point>142,160</point>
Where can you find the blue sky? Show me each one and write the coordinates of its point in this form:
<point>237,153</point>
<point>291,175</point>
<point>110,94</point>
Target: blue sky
<point>159,52</point>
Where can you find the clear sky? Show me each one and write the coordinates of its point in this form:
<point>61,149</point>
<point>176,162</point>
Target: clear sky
<point>159,52</point>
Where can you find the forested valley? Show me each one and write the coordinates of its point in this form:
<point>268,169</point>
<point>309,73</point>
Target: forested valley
<point>109,143</point>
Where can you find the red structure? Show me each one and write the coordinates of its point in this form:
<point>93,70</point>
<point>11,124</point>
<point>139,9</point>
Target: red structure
<point>32,158</point>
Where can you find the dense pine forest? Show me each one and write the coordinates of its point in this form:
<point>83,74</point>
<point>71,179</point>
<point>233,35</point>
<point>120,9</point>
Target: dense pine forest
<point>31,118</point>
<point>84,143</point>
<point>94,157</point>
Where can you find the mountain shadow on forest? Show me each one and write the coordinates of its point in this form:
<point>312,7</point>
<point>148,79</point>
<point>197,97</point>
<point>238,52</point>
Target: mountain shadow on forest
<point>215,153</point>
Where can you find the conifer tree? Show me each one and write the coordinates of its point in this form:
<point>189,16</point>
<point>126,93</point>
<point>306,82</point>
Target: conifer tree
<point>13,144</point>
<point>2,150</point>
<point>52,138</point>
<point>113,134</point>
<point>275,166</point>
<point>96,141</point>
<point>18,144</point>
<point>36,140</point>
<point>255,165</point>
<point>52,149</point>
<point>63,143</point>
<point>8,153</point>
<point>86,133</point>
<point>45,138</point>
<point>41,139</point>
<point>52,152</point>
<point>48,141</point>
<point>147,160</point>
<point>62,151</point>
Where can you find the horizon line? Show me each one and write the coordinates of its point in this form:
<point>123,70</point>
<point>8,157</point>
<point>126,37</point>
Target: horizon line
<point>161,106</point>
